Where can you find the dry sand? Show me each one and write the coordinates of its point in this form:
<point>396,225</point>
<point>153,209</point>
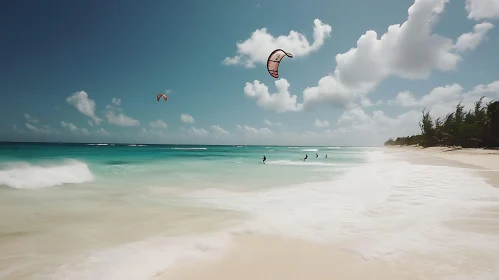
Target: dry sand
<point>484,162</point>
<point>278,258</point>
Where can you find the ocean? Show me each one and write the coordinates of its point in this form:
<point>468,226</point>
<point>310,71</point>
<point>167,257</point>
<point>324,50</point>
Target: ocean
<point>115,211</point>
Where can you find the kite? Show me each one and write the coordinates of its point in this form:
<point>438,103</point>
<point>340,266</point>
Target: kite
<point>161,95</point>
<point>273,61</point>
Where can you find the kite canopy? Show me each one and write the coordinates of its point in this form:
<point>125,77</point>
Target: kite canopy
<point>161,95</point>
<point>273,61</point>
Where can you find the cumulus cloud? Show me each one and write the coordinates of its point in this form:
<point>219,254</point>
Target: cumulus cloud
<point>257,48</point>
<point>199,132</point>
<point>469,41</point>
<point>482,9</point>
<point>151,132</point>
<point>102,131</point>
<point>73,128</point>
<point>355,121</point>
<point>219,131</point>
<point>253,131</point>
<point>90,123</point>
<point>186,118</point>
<point>45,129</point>
<point>158,124</point>
<point>282,101</point>
<point>269,123</point>
<point>84,105</point>
<point>442,100</point>
<point>31,119</point>
<point>120,119</point>
<point>438,95</point>
<point>410,50</point>
<point>116,101</point>
<point>319,123</point>
<point>486,89</point>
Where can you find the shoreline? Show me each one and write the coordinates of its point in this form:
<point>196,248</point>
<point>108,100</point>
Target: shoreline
<point>484,163</point>
<point>279,257</point>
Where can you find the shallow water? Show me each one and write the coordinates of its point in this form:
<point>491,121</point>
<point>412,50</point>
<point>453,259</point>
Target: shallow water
<point>131,212</point>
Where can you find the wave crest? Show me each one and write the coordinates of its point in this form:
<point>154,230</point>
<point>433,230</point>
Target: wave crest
<point>23,175</point>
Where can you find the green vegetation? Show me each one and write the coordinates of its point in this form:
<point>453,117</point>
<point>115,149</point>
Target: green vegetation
<point>477,128</point>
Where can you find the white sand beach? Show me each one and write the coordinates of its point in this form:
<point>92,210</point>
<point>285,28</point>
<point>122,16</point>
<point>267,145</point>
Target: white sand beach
<point>454,247</point>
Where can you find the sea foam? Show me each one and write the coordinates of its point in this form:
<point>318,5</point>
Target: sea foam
<point>381,209</point>
<point>22,175</point>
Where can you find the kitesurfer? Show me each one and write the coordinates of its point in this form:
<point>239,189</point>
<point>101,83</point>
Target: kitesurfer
<point>316,155</point>
<point>264,159</point>
<point>306,156</point>
<point>326,155</point>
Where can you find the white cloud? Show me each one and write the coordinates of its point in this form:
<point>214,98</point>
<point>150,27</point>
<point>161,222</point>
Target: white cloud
<point>282,101</point>
<point>31,127</point>
<point>45,129</point>
<point>152,133</point>
<point>253,130</point>
<point>469,41</point>
<point>355,122</point>
<point>409,50</point>
<point>73,128</point>
<point>120,119</point>
<point>257,48</point>
<point>90,123</point>
<point>219,131</point>
<point>199,132</point>
<point>482,9</point>
<point>31,119</point>
<point>116,101</point>
<point>438,95</point>
<point>442,100</point>
<point>486,89</point>
<point>158,124</point>
<point>186,118</point>
<point>269,123</point>
<point>85,105</point>
<point>366,102</point>
<point>319,123</point>
<point>102,131</point>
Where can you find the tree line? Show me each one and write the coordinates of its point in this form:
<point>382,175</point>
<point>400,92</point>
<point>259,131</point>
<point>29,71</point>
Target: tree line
<point>476,128</point>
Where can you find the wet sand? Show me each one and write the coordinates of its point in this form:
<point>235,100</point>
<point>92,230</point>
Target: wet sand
<point>275,257</point>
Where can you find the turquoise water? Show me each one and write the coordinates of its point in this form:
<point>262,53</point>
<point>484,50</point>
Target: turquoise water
<point>63,205</point>
<point>170,165</point>
<point>131,212</point>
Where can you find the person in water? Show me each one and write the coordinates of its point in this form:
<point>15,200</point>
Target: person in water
<point>306,156</point>
<point>264,159</point>
<point>316,155</point>
<point>326,155</point>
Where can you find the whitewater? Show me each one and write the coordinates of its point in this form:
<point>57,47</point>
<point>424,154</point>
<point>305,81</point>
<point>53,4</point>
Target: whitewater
<point>136,211</point>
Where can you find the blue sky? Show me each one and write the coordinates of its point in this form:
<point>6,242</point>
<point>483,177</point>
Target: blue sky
<point>63,62</point>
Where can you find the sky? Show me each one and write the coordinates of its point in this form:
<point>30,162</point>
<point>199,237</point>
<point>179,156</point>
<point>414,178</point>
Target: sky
<point>361,72</point>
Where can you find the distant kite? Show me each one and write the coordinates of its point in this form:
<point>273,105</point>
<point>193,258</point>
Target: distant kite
<point>161,95</point>
<point>273,61</point>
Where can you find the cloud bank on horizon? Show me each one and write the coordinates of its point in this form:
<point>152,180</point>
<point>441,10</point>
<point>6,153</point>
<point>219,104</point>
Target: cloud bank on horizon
<point>411,50</point>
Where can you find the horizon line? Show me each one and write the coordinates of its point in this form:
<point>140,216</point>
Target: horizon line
<point>118,143</point>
